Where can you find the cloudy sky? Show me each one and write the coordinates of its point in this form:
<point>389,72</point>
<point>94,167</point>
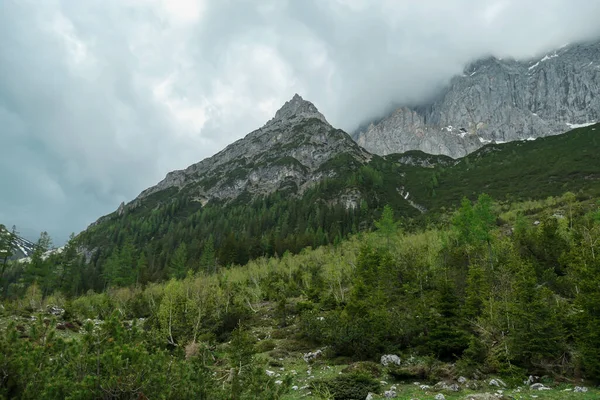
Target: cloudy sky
<point>99,99</point>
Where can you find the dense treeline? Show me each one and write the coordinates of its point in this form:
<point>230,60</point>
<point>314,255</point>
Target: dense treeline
<point>170,233</point>
<point>494,292</point>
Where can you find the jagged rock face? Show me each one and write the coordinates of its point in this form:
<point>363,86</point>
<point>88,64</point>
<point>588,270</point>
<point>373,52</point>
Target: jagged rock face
<point>419,159</point>
<point>288,151</point>
<point>406,130</point>
<point>497,100</point>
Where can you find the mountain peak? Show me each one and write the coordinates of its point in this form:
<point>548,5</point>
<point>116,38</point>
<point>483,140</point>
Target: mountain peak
<point>297,107</point>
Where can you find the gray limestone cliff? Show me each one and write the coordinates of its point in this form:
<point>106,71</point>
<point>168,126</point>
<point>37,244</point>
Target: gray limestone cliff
<point>288,152</point>
<point>497,100</point>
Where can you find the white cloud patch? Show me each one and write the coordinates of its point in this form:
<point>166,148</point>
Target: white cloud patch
<point>184,11</point>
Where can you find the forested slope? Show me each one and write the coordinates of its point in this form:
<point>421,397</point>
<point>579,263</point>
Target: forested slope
<point>499,291</point>
<point>512,171</point>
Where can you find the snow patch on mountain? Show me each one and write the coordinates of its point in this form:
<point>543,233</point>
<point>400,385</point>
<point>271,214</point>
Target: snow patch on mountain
<point>585,124</point>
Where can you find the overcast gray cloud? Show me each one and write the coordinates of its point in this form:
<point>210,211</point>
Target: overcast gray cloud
<point>99,99</point>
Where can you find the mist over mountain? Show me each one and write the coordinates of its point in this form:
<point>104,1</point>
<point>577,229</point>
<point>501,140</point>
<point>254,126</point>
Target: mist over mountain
<point>497,100</point>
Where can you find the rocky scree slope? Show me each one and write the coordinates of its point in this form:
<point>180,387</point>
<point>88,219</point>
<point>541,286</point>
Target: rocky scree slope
<point>497,100</point>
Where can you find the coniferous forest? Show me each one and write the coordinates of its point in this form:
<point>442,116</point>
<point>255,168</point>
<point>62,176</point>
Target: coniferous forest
<point>494,296</point>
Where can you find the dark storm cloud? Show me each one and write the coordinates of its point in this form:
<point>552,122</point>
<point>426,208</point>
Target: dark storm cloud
<point>99,99</point>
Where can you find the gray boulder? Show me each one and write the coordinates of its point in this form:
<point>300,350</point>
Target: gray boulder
<point>390,359</point>
<point>497,382</point>
<point>312,355</point>
<point>538,386</point>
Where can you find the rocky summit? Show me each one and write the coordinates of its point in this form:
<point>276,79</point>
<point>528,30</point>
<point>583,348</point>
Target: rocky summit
<point>289,152</point>
<point>497,100</point>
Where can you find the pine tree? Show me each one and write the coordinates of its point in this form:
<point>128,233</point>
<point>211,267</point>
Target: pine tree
<point>38,270</point>
<point>142,269</point>
<point>67,280</point>
<point>538,334</point>
<point>178,264</point>
<point>386,224</point>
<point>584,263</point>
<point>208,260</point>
<point>447,339</point>
<point>120,267</point>
<point>475,293</point>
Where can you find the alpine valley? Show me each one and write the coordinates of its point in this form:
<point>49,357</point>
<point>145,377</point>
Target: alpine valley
<point>447,251</point>
<point>299,182</point>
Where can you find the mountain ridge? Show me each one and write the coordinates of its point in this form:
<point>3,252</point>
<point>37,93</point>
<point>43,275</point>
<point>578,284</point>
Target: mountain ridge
<point>282,133</point>
<point>496,100</point>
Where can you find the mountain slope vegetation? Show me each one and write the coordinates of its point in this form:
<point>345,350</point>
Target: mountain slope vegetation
<point>345,202</point>
<point>497,293</point>
<point>468,288</point>
<point>518,170</point>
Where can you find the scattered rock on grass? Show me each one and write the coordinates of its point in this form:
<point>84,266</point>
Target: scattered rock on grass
<point>312,355</point>
<point>472,385</point>
<point>390,359</point>
<point>538,386</point>
<point>454,387</point>
<point>55,310</point>
<point>497,382</point>
<point>481,396</point>
<point>445,386</point>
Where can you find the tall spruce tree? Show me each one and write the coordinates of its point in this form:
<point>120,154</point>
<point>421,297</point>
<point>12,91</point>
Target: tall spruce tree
<point>208,260</point>
<point>178,264</point>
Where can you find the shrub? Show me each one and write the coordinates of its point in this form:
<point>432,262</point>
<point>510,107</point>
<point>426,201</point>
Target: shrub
<point>354,386</point>
<point>410,372</point>
<point>365,367</point>
<point>265,345</point>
